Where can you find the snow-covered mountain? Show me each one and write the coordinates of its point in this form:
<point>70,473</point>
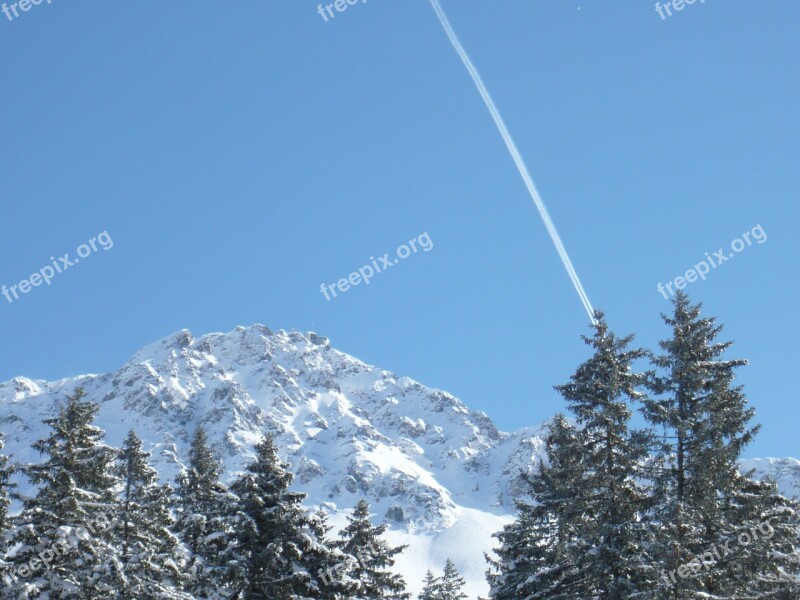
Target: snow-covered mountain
<point>441,474</point>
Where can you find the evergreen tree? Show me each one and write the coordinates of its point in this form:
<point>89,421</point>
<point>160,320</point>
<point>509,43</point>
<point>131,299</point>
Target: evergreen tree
<point>326,559</point>
<point>276,548</point>
<point>539,551</point>
<point>203,506</point>
<point>764,562</point>
<point>431,588</point>
<point>6,471</point>
<point>148,549</point>
<point>372,558</point>
<point>448,587</point>
<point>599,394</point>
<point>704,421</point>
<point>706,531</point>
<point>65,545</point>
<point>452,583</point>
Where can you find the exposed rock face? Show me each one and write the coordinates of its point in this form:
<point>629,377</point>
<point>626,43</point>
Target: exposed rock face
<point>349,430</point>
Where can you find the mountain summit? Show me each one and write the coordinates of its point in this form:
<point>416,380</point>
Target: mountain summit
<point>442,475</point>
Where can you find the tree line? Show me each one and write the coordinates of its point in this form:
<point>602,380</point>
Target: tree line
<point>100,525</point>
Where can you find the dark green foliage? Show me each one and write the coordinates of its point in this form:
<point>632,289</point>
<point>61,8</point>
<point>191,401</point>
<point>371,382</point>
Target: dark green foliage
<point>276,548</point>
<point>449,586</point>
<point>538,554</point>
<point>452,583</point>
<point>148,549</point>
<point>764,561</point>
<point>430,589</point>
<point>69,519</point>
<point>6,471</point>
<point>620,514</point>
<point>203,506</point>
<point>371,558</point>
<point>584,536</point>
<point>612,535</point>
<point>325,560</point>
<point>704,425</point>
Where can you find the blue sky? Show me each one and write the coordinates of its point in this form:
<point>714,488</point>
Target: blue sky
<point>241,155</point>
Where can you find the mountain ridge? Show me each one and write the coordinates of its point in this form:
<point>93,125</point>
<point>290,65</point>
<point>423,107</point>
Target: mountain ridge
<point>442,475</point>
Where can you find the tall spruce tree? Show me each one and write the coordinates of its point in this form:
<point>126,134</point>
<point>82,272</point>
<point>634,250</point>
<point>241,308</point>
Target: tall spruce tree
<point>430,587</point>
<point>65,548</point>
<point>328,563</point>
<point>706,531</point>
<point>449,586</point>
<point>452,583</point>
<point>203,506</point>
<point>372,558</point>
<point>6,471</point>
<point>704,425</point>
<point>539,551</point>
<point>276,548</point>
<point>148,549</point>
<point>599,395</point>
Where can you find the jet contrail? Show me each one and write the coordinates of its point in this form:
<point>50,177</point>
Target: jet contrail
<point>512,148</point>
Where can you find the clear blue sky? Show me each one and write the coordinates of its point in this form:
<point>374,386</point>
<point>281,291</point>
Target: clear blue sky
<point>241,154</point>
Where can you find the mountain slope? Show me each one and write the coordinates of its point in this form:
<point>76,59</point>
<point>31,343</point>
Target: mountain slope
<point>419,455</point>
<point>441,474</point>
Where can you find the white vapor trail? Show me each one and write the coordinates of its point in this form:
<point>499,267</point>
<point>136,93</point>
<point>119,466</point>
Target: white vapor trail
<point>512,148</point>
